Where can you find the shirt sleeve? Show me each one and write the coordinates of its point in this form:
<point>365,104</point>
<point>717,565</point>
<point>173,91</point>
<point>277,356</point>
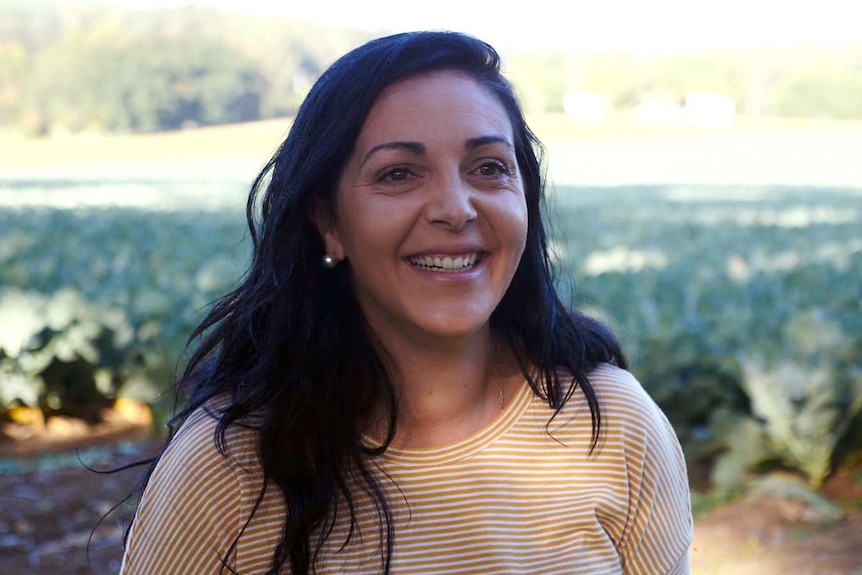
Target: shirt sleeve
<point>658,531</point>
<point>188,517</point>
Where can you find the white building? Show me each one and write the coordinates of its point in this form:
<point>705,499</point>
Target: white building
<point>586,107</point>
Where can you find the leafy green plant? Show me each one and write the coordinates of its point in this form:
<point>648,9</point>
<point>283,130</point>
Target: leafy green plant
<point>62,353</point>
<point>809,400</point>
<point>807,410</point>
<point>712,290</point>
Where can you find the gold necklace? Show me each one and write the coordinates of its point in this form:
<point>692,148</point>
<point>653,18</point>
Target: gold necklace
<point>499,373</point>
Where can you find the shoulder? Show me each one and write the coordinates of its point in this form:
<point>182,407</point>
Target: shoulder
<point>616,384</point>
<point>655,533</point>
<point>624,403</point>
<point>191,511</point>
<point>630,422</point>
<point>202,474</point>
<point>199,444</point>
<point>633,422</point>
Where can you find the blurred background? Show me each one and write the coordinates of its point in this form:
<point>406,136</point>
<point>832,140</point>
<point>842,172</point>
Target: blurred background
<point>705,189</point>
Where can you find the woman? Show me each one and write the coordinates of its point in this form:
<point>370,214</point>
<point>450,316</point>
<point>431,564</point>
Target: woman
<point>395,386</point>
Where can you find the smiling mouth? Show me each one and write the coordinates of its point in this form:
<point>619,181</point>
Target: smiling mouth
<point>448,264</point>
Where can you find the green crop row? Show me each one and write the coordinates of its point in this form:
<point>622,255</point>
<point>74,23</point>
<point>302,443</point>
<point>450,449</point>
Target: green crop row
<point>739,308</point>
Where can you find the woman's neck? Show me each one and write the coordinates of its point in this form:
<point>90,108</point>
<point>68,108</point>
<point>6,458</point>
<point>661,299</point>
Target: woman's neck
<point>447,391</point>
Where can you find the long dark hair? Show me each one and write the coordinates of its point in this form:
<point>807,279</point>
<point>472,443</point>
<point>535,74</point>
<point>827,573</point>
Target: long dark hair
<point>290,346</point>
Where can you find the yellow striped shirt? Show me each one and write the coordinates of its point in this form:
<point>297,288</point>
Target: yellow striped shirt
<point>510,499</point>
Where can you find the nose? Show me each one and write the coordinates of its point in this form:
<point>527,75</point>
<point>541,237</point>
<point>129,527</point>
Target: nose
<point>450,203</point>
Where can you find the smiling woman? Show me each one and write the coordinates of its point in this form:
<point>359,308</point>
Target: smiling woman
<point>395,386</point>
<point>430,212</point>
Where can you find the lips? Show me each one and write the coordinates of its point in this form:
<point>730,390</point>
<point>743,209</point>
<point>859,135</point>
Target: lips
<point>447,263</point>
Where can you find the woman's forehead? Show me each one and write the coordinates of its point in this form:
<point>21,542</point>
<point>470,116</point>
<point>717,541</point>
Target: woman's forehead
<point>438,106</point>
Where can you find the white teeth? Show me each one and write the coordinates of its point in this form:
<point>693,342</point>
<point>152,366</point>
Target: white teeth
<point>446,263</point>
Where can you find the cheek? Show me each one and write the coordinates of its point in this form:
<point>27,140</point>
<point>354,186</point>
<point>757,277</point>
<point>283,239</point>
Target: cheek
<point>519,221</point>
<point>372,229</point>
<point>508,218</point>
<point>520,225</point>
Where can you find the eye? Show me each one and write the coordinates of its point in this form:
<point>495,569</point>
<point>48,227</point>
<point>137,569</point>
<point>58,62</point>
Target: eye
<point>397,175</point>
<point>492,169</point>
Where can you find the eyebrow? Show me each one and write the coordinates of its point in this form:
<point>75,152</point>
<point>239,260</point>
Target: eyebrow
<point>474,143</point>
<point>415,148</point>
<point>418,149</point>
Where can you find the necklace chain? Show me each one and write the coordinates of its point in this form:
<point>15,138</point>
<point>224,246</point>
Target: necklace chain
<point>499,373</point>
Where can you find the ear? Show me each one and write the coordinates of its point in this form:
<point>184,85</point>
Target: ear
<point>324,221</point>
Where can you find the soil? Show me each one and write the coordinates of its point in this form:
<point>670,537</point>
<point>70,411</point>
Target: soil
<point>55,515</point>
<point>773,536</point>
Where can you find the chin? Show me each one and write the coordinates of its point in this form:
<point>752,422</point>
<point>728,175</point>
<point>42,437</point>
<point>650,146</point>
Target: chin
<point>456,327</point>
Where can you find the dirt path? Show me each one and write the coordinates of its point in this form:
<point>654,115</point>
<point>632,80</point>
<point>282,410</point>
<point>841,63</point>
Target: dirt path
<point>767,537</point>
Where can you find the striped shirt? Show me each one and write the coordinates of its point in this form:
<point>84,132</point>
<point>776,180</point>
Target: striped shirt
<point>519,496</point>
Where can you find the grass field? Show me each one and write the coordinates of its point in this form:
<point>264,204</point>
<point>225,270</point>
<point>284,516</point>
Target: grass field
<point>790,152</point>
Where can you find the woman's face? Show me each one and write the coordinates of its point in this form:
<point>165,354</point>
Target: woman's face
<point>430,209</point>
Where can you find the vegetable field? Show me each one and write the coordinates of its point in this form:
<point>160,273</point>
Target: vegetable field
<point>740,307</point>
<point>741,311</point>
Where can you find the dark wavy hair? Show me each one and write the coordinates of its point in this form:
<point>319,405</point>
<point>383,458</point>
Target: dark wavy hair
<point>290,346</point>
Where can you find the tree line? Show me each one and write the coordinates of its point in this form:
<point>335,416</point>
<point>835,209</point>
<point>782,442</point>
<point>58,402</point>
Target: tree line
<point>98,68</point>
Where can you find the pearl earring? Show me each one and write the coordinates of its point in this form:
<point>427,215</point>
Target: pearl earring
<point>329,262</point>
